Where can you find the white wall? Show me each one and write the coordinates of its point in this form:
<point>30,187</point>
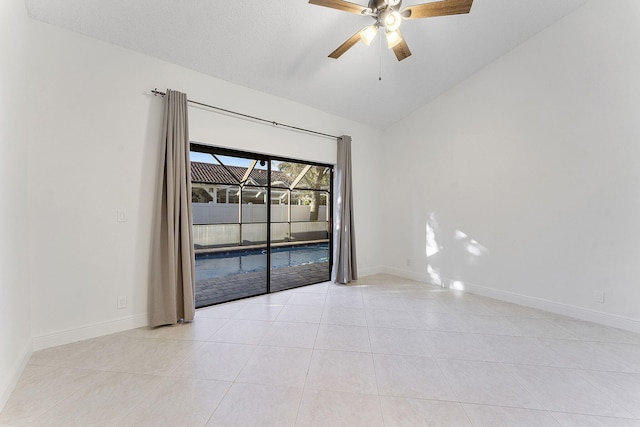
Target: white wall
<point>536,159</point>
<point>15,332</point>
<point>94,151</point>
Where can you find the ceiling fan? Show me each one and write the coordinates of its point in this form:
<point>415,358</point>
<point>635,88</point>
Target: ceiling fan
<point>389,15</point>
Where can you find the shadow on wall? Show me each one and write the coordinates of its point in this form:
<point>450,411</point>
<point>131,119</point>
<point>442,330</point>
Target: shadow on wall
<point>450,253</point>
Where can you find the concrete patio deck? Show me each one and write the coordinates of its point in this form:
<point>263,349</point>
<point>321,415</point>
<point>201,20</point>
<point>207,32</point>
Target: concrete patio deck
<point>222,289</point>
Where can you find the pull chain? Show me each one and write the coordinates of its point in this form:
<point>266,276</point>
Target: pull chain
<point>380,50</point>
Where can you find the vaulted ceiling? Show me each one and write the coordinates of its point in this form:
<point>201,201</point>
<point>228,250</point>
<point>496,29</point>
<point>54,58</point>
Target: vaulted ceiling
<point>281,47</point>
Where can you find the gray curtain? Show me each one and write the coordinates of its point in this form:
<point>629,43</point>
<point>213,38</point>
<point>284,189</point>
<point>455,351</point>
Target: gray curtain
<point>344,240</point>
<point>172,286</point>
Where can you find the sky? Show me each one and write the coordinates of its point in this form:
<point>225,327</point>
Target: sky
<point>227,160</point>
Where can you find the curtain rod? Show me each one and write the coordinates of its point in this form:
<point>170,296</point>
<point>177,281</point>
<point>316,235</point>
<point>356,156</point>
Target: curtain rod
<point>156,92</point>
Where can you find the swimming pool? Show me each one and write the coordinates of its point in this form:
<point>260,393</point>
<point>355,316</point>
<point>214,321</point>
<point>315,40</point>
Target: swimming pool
<point>224,264</point>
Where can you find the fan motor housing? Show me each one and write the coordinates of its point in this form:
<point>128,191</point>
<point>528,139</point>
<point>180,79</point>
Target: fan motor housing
<point>380,5</point>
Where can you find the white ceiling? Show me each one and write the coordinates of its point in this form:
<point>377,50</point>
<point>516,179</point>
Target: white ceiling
<point>280,47</point>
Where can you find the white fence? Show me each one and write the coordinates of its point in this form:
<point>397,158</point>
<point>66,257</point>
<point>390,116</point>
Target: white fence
<point>216,224</point>
<point>222,213</point>
<point>216,235</point>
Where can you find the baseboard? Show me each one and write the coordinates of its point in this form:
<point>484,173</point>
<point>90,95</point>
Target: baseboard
<point>94,330</point>
<point>370,271</point>
<point>10,381</point>
<point>412,275</point>
<point>607,319</point>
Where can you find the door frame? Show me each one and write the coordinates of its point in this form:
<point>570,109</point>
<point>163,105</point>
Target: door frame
<point>223,151</point>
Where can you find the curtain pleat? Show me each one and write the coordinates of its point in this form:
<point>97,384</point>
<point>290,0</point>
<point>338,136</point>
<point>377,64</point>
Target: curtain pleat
<point>172,287</point>
<point>344,241</point>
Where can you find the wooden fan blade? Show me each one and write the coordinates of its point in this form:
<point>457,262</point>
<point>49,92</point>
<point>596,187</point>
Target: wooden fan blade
<point>438,8</point>
<point>346,45</point>
<point>340,5</point>
<point>401,49</point>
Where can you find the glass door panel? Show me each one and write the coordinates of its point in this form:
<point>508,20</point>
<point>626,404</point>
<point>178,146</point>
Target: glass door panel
<point>229,225</point>
<point>300,249</point>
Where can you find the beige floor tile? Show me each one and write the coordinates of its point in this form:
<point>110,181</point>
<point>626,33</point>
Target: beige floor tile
<point>627,354</point>
<point>349,372</point>
<point>300,313</point>
<point>177,402</point>
<point>109,398</point>
<point>409,342</point>
<point>458,345</point>
<point>589,331</point>
<point>382,318</point>
<point>250,405</point>
<point>40,388</point>
<point>242,332</point>
<point>112,351</point>
<point>411,376</point>
<point>516,350</point>
<point>337,315</point>
<point>493,325</point>
<point>344,299</point>
<point>384,302</point>
<point>318,288</point>
<point>259,312</point>
<point>539,328</point>
<point>424,305</point>
<point>277,366</point>
<point>97,353</point>
<point>487,383</point>
<point>582,355</point>
<point>198,330</point>
<point>278,298</point>
<point>623,388</point>
<point>566,390</point>
<point>215,361</point>
<point>498,416</point>
<point>158,357</point>
<point>446,322</point>
<point>343,337</point>
<point>576,420</point>
<point>303,298</point>
<point>402,412</point>
<point>286,334</point>
<point>329,408</point>
<point>465,304</point>
<point>222,311</point>
<point>514,310</point>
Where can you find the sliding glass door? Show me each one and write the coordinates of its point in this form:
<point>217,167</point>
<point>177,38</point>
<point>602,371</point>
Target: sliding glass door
<point>229,201</point>
<point>300,225</point>
<point>260,223</point>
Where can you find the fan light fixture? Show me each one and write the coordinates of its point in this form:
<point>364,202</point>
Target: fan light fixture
<point>368,34</point>
<point>392,21</point>
<point>393,39</point>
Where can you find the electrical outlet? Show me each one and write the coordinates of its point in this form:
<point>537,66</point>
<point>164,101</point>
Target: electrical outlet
<point>598,296</point>
<point>122,216</point>
<point>122,302</point>
<point>408,262</point>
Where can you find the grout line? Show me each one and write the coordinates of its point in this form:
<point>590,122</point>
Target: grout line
<point>313,352</point>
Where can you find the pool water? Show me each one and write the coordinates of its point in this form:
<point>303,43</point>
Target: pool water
<point>226,264</point>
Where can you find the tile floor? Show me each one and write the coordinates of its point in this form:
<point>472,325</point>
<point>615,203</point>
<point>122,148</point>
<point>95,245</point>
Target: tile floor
<point>386,352</point>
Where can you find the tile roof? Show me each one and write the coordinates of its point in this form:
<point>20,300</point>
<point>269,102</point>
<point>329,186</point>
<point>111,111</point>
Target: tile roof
<point>207,173</point>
